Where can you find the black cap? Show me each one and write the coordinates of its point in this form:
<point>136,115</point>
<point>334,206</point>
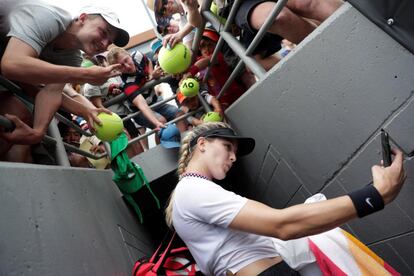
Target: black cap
<point>245,144</point>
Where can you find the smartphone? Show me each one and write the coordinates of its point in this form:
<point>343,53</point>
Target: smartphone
<point>386,149</point>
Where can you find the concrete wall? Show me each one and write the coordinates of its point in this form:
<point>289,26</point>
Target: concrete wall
<point>57,221</point>
<point>316,119</point>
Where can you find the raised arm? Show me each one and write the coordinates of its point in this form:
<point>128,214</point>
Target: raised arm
<point>308,219</point>
<point>191,7</point>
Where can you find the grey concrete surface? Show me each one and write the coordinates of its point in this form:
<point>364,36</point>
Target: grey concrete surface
<point>57,221</point>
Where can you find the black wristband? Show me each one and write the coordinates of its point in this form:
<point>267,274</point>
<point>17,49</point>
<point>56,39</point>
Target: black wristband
<point>367,200</point>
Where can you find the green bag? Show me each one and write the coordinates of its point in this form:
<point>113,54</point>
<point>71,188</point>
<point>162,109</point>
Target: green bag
<point>129,176</point>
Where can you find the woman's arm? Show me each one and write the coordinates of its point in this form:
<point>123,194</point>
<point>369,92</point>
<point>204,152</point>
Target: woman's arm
<point>308,219</point>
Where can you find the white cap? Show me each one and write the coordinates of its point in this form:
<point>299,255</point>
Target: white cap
<point>112,18</point>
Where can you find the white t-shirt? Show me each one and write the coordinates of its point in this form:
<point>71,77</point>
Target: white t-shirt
<point>202,212</point>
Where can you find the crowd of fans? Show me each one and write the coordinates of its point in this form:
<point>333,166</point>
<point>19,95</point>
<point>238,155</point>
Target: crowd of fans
<point>64,62</point>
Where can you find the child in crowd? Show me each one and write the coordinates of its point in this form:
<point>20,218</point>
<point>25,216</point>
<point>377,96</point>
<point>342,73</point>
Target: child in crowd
<point>72,137</point>
<point>189,18</point>
<point>188,104</point>
<point>219,73</point>
<point>136,70</point>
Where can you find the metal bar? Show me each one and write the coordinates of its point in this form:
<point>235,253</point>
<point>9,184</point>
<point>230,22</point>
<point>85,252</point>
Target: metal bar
<point>266,25</point>
<point>69,123</point>
<point>269,21</point>
<point>122,97</point>
<point>7,124</point>
<point>250,62</point>
<point>14,88</point>
<point>217,27</point>
<point>154,26</point>
<point>130,116</point>
<point>136,139</point>
<point>107,149</point>
<point>236,71</point>
<point>61,155</point>
<point>204,103</point>
<point>74,149</point>
<point>236,46</point>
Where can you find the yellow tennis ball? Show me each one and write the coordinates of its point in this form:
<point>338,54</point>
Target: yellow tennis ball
<point>189,87</point>
<point>112,126</point>
<point>212,117</point>
<point>175,60</point>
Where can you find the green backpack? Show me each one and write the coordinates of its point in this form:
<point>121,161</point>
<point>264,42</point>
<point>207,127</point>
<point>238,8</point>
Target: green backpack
<point>130,178</point>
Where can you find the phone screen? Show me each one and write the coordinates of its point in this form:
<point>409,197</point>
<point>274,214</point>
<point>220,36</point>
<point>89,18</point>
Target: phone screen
<point>386,149</point>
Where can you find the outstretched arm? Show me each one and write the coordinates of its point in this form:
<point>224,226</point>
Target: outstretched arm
<point>142,105</point>
<point>21,63</point>
<point>308,219</point>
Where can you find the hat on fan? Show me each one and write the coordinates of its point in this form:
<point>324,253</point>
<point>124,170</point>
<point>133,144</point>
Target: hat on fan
<point>122,37</point>
<point>170,137</point>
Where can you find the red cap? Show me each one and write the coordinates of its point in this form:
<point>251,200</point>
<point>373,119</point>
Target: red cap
<point>211,34</point>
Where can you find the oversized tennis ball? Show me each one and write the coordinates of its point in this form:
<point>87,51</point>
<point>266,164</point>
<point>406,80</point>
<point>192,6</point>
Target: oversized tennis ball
<point>175,60</point>
<point>190,87</point>
<point>212,117</point>
<point>112,126</point>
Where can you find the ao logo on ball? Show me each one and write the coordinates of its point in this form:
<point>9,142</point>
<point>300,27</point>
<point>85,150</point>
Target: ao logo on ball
<point>189,87</point>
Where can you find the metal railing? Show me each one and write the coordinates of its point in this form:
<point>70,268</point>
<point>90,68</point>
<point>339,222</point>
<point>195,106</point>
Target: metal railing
<point>225,36</point>
<point>62,147</point>
<point>235,45</point>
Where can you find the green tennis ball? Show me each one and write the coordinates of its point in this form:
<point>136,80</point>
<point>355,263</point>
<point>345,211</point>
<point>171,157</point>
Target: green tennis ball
<point>212,117</point>
<point>175,60</point>
<point>112,126</point>
<point>190,87</point>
